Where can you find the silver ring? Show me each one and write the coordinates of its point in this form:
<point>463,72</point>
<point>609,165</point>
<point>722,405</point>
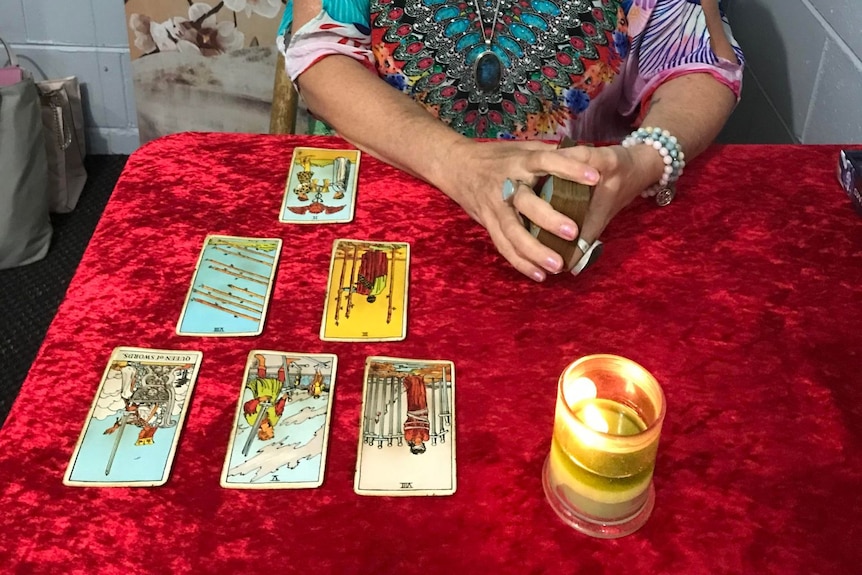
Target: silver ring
<point>510,186</point>
<point>591,254</point>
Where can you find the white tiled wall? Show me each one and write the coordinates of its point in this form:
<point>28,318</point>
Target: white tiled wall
<point>804,76</point>
<point>803,82</point>
<point>85,38</point>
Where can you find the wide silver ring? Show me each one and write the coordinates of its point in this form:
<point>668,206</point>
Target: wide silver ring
<point>591,254</point>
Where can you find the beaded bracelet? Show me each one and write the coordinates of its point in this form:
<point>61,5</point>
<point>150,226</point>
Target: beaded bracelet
<point>672,155</point>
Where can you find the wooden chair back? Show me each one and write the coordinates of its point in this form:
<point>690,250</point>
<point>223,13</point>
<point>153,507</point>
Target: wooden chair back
<point>282,118</point>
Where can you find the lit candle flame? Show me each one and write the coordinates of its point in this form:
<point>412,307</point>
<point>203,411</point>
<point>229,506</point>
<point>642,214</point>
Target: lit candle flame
<point>577,390</point>
<point>592,417</point>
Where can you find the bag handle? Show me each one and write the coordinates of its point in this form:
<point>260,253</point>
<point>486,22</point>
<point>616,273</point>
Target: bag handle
<point>13,60</point>
<point>61,129</point>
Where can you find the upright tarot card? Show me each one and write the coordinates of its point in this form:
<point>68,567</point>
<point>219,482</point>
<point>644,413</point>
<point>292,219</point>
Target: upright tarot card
<point>134,424</point>
<point>366,295</point>
<point>230,290</point>
<point>321,186</point>
<point>407,435</point>
<point>281,427</point>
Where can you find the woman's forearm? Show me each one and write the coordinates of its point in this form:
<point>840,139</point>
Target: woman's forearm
<point>376,118</point>
<point>370,114</point>
<point>694,108</point>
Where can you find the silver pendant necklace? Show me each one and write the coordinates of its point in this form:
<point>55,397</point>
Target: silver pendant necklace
<point>487,69</point>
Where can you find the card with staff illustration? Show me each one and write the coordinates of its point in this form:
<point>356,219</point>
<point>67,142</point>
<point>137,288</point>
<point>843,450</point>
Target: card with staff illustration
<point>230,289</point>
<point>366,294</point>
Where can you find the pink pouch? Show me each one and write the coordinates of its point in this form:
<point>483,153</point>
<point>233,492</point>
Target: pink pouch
<point>10,75</point>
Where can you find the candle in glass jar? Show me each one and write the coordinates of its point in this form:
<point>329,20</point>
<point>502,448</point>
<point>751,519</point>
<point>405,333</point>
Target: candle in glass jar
<point>603,450</point>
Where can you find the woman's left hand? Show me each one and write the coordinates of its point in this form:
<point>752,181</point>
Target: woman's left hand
<point>624,174</point>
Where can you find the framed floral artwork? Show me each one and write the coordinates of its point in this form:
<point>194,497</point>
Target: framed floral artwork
<point>203,66</point>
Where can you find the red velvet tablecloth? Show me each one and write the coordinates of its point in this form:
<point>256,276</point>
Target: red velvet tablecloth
<point>743,298</point>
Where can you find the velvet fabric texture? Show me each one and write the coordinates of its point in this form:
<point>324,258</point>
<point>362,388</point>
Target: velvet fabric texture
<point>743,298</point>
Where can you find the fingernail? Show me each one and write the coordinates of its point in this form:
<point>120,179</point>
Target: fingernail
<point>553,265</point>
<point>591,175</point>
<point>568,232</point>
<point>538,276</point>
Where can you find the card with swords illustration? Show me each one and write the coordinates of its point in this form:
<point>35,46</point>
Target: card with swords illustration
<point>131,432</point>
<point>281,428</point>
<point>407,433</point>
<point>230,289</point>
<point>366,295</point>
<point>321,186</point>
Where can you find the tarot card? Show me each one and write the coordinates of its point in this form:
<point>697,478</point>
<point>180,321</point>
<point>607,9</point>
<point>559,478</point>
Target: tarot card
<point>366,295</point>
<point>321,186</point>
<point>407,436</point>
<point>281,428</point>
<point>230,289</point>
<point>134,424</point>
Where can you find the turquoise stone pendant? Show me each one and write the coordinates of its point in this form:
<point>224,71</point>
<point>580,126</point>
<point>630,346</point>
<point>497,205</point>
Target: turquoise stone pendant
<point>487,71</point>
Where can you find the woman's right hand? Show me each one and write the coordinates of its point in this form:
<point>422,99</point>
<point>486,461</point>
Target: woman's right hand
<point>475,177</point>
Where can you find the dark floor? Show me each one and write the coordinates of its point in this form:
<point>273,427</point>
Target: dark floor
<point>30,295</point>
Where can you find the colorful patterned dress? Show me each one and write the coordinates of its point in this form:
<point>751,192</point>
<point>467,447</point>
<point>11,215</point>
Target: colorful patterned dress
<point>577,68</point>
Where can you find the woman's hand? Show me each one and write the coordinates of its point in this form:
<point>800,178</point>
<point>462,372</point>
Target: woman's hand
<point>625,173</point>
<point>474,178</point>
<point>479,169</point>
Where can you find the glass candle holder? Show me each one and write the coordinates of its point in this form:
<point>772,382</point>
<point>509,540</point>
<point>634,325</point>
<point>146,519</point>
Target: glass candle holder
<point>607,423</point>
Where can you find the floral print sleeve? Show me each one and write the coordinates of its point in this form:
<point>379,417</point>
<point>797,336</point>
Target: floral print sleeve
<point>669,39</point>
<point>341,28</point>
<point>577,68</point>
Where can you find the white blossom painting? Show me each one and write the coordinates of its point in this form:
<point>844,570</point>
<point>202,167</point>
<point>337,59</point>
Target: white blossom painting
<point>203,66</point>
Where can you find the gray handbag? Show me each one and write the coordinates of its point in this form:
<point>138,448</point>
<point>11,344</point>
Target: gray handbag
<point>63,123</point>
<point>25,224</point>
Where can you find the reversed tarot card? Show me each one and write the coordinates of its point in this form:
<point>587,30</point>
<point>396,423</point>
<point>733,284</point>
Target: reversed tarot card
<point>407,435</point>
<point>321,186</point>
<point>281,427</point>
<point>134,424</point>
<point>366,294</point>
<point>230,290</point>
